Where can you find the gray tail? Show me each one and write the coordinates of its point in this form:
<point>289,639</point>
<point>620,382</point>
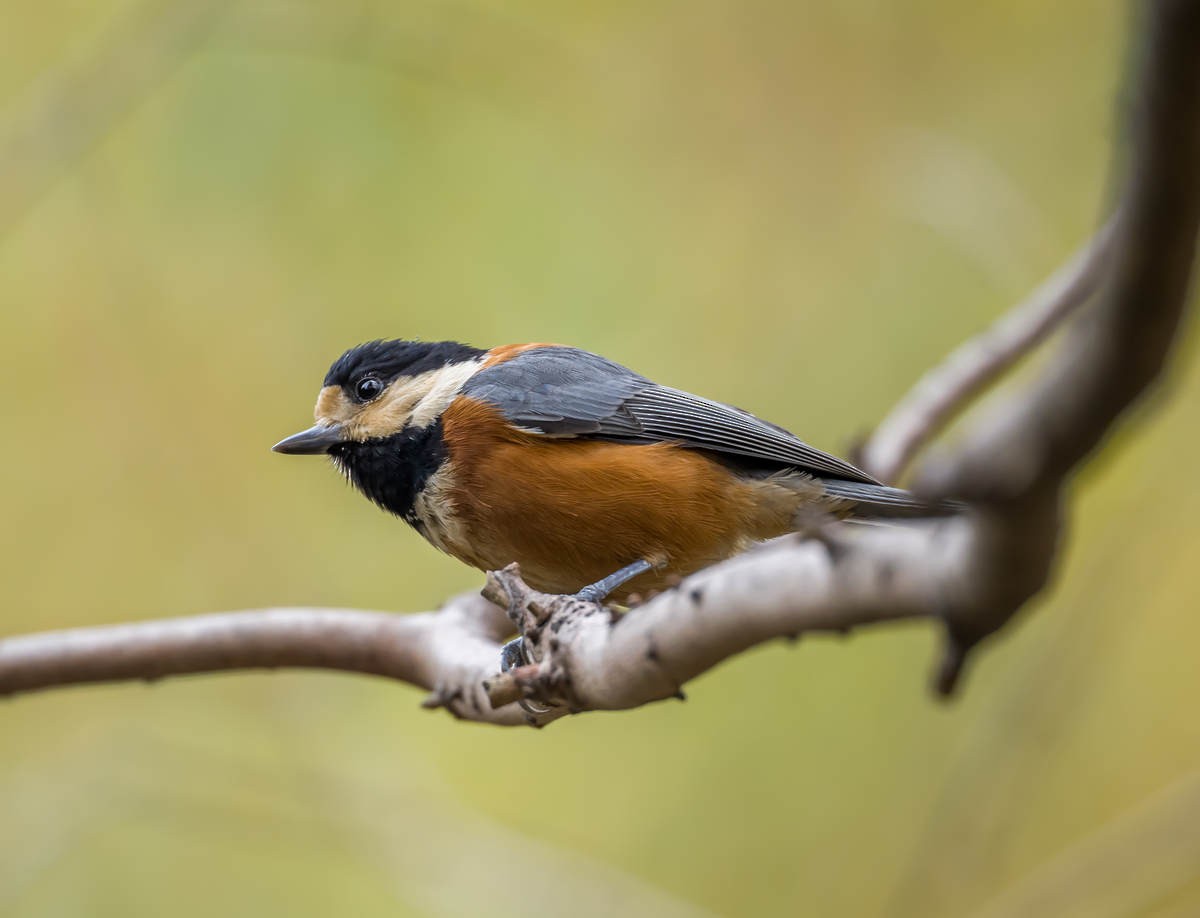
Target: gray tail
<point>874,500</point>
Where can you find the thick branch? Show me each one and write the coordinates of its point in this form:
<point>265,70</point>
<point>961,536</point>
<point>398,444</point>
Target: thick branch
<point>589,660</point>
<point>848,577</point>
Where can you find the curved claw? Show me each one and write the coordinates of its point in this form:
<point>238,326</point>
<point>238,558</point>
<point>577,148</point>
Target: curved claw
<point>512,655</point>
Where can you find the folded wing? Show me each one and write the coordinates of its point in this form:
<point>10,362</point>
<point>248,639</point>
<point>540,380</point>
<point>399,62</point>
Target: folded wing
<point>566,392</point>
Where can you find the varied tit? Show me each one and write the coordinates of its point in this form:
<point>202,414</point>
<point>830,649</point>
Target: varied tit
<point>593,478</point>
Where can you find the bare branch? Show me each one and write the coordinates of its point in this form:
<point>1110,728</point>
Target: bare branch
<point>945,390</point>
<point>1035,436</point>
<point>457,645</point>
<point>848,577</point>
<point>587,659</point>
<point>971,572</point>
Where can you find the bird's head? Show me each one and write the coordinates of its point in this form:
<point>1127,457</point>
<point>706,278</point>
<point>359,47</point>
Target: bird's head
<point>383,388</point>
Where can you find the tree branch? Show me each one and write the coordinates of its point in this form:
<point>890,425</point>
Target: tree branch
<point>1040,432</point>
<point>971,572</point>
<point>948,388</point>
<point>457,645</point>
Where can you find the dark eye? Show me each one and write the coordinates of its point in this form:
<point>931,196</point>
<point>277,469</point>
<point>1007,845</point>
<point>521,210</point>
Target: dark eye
<point>367,388</point>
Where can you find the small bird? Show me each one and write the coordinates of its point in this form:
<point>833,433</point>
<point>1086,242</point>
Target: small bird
<point>596,480</point>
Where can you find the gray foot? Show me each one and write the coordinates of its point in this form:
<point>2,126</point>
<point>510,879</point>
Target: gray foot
<point>598,591</point>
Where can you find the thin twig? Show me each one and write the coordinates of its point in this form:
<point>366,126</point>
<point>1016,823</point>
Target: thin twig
<point>945,390</point>
<point>456,645</point>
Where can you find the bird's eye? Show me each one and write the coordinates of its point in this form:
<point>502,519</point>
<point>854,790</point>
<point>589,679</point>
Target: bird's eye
<point>367,388</point>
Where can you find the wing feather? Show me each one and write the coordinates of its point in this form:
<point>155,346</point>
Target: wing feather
<point>674,415</point>
<point>565,392</point>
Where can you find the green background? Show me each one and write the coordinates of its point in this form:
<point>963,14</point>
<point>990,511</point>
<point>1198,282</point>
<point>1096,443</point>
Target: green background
<point>795,207</point>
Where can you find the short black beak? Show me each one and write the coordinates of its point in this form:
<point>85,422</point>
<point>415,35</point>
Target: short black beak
<point>311,442</point>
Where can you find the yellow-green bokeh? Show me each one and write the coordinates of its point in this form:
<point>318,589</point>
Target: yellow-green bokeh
<point>795,207</point>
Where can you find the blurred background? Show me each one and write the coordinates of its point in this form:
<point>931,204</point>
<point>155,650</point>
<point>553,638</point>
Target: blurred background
<point>794,207</point>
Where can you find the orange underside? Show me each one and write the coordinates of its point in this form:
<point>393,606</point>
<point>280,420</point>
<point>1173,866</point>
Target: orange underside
<point>573,511</point>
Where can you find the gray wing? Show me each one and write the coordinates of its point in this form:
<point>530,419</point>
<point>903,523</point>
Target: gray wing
<point>567,392</point>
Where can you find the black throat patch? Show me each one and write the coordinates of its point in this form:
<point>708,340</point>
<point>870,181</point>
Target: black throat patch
<point>392,471</point>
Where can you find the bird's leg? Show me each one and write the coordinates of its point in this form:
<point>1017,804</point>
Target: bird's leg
<point>515,653</point>
<point>596,592</point>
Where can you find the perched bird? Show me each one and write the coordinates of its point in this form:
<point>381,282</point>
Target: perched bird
<point>597,480</point>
